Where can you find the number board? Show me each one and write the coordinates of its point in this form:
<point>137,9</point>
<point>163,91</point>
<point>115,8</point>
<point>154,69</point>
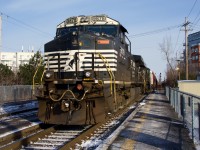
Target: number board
<point>71,20</point>
<point>98,18</point>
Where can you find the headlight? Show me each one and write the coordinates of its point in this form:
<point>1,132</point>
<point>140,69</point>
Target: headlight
<point>48,75</point>
<point>74,33</point>
<point>87,74</point>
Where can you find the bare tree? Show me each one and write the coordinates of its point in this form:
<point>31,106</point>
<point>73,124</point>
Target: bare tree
<point>166,50</point>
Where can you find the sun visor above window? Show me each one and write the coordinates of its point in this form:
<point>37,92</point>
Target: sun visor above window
<point>123,29</point>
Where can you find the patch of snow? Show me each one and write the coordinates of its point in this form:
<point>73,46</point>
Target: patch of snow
<point>104,143</point>
<point>90,143</point>
<point>13,131</point>
<point>16,107</point>
<point>95,141</point>
<point>132,107</point>
<point>142,104</point>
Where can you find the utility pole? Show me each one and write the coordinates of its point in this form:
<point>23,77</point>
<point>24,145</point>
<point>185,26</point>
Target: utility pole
<point>160,79</point>
<point>0,37</point>
<point>186,47</point>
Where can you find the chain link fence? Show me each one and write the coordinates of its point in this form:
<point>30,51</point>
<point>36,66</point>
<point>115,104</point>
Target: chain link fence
<point>188,108</point>
<point>15,93</point>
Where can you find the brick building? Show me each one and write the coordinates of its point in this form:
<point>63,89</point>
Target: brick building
<point>194,52</point>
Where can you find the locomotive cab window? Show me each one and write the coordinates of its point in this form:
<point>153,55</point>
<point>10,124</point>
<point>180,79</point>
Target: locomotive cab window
<point>103,29</point>
<point>109,30</point>
<point>122,36</point>
<point>63,31</point>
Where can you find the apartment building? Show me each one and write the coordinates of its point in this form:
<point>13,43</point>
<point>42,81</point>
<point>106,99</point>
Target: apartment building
<point>14,59</point>
<point>194,52</point>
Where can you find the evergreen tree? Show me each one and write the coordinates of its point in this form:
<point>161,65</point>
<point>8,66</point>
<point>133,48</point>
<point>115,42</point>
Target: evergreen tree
<point>7,76</point>
<point>27,71</point>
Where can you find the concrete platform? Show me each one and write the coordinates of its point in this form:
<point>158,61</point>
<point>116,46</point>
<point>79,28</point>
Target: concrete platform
<point>155,126</point>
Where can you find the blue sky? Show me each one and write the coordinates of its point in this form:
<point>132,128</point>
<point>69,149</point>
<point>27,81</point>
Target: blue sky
<point>33,23</point>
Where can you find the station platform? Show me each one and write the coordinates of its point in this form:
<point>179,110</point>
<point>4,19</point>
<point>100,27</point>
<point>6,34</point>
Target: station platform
<point>155,126</point>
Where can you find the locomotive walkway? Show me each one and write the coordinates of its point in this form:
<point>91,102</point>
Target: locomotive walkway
<point>155,126</point>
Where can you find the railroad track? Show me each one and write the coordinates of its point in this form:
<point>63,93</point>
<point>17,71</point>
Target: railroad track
<point>21,133</point>
<point>53,137</point>
<point>17,112</point>
<point>13,127</point>
<point>12,109</point>
<point>17,121</point>
<point>57,138</point>
<point>72,137</point>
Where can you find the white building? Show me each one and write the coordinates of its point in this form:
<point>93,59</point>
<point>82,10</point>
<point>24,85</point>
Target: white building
<point>15,59</point>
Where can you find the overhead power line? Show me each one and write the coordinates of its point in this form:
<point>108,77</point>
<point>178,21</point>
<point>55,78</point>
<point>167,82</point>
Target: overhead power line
<point>195,23</point>
<point>25,24</point>
<point>197,18</point>
<point>155,31</point>
<point>183,25</point>
<point>177,40</point>
<point>192,8</point>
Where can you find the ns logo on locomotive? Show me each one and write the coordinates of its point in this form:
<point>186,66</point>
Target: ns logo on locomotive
<point>90,73</point>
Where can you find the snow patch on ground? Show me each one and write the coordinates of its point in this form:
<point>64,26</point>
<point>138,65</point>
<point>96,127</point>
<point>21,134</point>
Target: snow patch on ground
<point>13,131</point>
<point>14,107</point>
<point>9,108</point>
<point>90,143</point>
<point>142,104</point>
<point>95,141</point>
<point>132,107</point>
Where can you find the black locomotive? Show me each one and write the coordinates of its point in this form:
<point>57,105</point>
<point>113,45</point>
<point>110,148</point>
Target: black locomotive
<point>90,72</point>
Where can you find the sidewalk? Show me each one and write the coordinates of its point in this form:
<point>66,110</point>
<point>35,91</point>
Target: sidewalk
<point>155,126</point>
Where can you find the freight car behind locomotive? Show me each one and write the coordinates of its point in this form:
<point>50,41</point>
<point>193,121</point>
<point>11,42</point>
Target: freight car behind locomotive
<point>90,73</point>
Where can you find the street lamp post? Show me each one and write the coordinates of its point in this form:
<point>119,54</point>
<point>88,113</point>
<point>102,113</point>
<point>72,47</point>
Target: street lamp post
<point>178,69</point>
<point>179,74</point>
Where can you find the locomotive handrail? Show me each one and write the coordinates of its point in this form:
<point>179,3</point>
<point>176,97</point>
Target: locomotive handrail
<point>33,86</point>
<point>112,76</point>
<point>47,64</point>
<point>103,59</point>
<point>56,100</point>
<point>100,82</point>
<point>43,74</point>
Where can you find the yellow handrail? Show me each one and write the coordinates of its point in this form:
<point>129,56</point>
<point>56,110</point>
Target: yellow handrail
<point>33,86</point>
<point>108,69</point>
<point>100,82</point>
<point>43,72</point>
<point>112,76</point>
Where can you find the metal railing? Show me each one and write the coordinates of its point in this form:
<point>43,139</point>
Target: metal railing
<point>188,108</point>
